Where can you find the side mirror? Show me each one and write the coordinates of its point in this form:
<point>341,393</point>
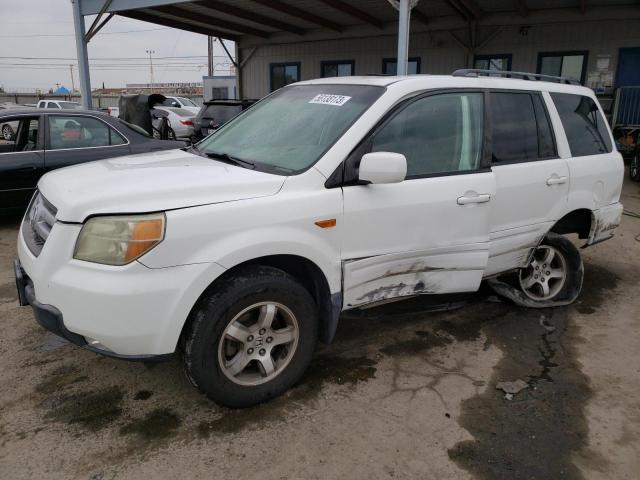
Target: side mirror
<point>382,167</point>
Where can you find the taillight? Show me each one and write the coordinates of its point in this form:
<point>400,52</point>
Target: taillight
<point>187,122</point>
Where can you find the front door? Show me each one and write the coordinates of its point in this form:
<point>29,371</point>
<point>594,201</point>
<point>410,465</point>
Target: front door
<point>21,160</point>
<point>429,233</point>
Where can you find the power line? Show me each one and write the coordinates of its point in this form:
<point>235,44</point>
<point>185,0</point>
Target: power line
<point>73,35</point>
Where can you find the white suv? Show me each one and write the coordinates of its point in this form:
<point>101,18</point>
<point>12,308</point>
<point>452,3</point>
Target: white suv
<point>241,252</point>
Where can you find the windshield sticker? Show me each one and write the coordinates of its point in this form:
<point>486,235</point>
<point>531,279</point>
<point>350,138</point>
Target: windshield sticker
<point>328,99</point>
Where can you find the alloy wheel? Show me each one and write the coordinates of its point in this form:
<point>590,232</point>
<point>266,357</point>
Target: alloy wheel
<point>258,343</point>
<point>7,132</point>
<point>545,275</point>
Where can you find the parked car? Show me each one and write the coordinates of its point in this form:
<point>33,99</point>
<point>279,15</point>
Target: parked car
<point>113,111</point>
<point>331,194</point>
<point>181,102</point>
<point>8,129</point>
<point>44,140</point>
<point>216,113</point>
<point>180,122</point>
<point>59,104</point>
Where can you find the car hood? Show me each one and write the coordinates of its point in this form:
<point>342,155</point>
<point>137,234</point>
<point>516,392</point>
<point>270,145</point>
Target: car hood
<point>151,182</point>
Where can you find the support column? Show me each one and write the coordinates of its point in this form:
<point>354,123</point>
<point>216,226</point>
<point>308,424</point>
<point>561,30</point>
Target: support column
<point>404,15</point>
<point>83,57</point>
<point>238,65</point>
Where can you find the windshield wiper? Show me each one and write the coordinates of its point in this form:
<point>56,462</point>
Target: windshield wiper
<point>225,157</point>
<point>193,149</point>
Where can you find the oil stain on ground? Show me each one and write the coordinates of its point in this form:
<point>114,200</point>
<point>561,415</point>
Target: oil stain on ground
<point>92,410</point>
<point>421,343</point>
<point>60,378</point>
<point>158,424</point>
<point>535,434</point>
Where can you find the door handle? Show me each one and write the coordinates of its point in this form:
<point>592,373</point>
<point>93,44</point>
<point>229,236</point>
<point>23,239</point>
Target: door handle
<point>28,169</point>
<point>556,180</point>
<point>478,198</point>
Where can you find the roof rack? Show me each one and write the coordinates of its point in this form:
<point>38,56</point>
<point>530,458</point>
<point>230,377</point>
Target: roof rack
<point>476,72</point>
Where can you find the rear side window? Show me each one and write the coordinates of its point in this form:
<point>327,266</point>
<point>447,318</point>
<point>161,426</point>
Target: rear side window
<point>584,125</point>
<point>521,130</point>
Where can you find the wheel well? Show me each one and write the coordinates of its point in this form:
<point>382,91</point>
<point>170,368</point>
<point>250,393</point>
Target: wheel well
<point>577,221</point>
<point>304,271</point>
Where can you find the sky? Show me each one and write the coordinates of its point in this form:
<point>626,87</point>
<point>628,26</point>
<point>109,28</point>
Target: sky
<point>37,45</point>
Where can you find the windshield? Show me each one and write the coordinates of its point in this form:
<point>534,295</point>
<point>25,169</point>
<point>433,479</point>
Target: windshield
<point>186,102</point>
<point>292,128</point>
<point>70,105</point>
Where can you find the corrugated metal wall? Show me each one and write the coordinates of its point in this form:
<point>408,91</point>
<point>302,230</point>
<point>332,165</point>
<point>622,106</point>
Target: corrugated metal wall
<point>440,53</point>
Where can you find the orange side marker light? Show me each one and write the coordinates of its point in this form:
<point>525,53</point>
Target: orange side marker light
<point>330,223</point>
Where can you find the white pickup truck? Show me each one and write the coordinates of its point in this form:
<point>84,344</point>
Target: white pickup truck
<point>240,252</point>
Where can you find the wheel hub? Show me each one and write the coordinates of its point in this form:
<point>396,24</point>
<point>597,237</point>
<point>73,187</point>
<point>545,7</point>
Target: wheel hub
<point>545,275</point>
<point>258,343</point>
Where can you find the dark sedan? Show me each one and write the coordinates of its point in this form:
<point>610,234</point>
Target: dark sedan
<point>43,140</point>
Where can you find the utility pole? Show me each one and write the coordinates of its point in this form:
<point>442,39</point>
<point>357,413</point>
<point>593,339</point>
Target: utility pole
<point>73,83</point>
<point>151,52</point>
<point>210,41</point>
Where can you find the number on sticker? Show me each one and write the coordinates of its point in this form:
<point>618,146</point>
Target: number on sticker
<point>328,99</point>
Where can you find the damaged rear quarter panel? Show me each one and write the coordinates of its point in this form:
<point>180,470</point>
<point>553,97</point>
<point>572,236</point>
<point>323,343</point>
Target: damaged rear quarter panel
<point>604,222</point>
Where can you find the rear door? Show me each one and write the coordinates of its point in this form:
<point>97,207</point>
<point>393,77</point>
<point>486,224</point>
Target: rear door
<point>429,233</point>
<point>532,181</point>
<point>72,139</point>
<point>21,160</point>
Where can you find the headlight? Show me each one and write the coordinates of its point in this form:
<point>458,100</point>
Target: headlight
<point>119,239</point>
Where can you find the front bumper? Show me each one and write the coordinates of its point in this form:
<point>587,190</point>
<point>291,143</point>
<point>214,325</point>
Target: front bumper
<point>50,318</point>
<point>132,312</point>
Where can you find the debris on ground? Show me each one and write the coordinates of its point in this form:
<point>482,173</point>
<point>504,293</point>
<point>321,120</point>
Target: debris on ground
<point>512,388</point>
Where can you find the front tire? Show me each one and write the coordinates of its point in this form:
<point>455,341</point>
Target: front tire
<point>250,338</point>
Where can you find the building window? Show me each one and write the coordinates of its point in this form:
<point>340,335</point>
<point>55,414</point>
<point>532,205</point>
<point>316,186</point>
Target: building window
<point>337,68</point>
<point>390,66</point>
<point>283,74</point>
<point>493,62</point>
<point>571,65</point>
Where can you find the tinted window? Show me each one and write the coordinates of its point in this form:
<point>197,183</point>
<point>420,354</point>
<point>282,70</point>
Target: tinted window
<point>436,134</point>
<point>515,134</point>
<point>80,132</point>
<point>52,105</point>
<point>546,143</point>
<point>583,124</point>
<point>283,74</point>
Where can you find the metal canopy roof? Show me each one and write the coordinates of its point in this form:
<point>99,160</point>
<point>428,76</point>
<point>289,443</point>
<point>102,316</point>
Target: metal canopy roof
<point>265,19</point>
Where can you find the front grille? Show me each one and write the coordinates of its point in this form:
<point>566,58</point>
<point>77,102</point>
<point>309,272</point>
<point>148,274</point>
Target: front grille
<point>37,223</point>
